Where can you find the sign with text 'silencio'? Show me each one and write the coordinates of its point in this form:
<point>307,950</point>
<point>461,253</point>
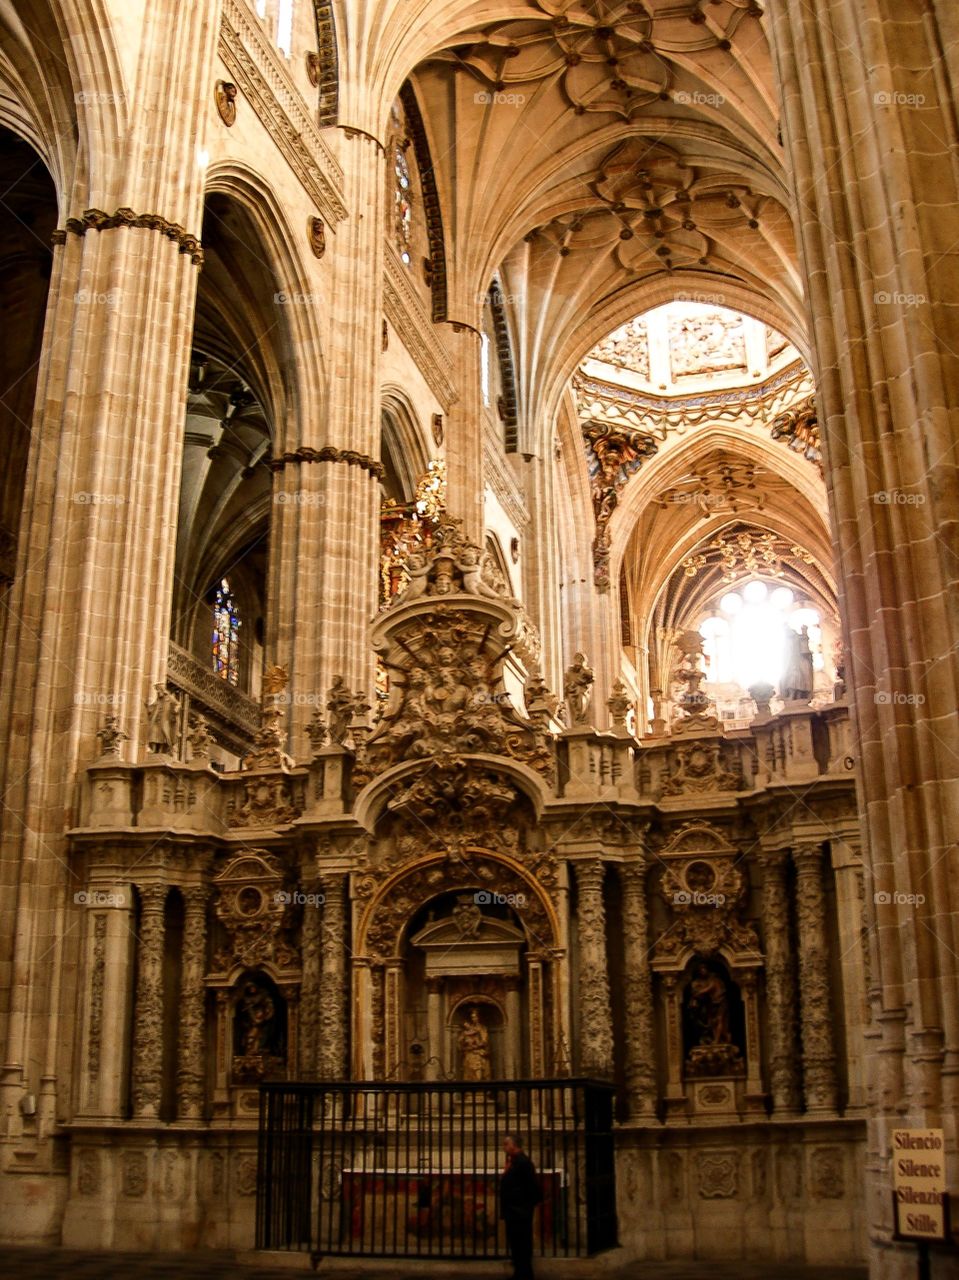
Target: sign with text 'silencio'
<point>919,1183</point>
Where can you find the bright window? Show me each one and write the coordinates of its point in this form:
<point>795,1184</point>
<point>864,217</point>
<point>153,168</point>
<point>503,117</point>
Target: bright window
<point>226,634</point>
<point>745,639</point>
<point>284,27</point>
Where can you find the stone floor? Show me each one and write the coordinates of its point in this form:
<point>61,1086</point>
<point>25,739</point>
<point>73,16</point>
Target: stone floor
<point>68,1264</point>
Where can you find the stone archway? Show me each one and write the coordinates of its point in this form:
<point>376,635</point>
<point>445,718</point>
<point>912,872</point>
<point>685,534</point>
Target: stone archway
<point>521,958</point>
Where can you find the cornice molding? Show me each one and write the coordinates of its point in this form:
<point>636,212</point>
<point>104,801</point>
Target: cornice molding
<point>266,84</point>
<point>407,315</point>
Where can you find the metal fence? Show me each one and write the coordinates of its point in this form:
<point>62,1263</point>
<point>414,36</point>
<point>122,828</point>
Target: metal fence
<point>412,1170</point>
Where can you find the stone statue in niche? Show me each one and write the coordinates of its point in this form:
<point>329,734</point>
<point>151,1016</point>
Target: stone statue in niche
<point>259,1038</point>
<point>710,1039</point>
<point>474,1048</point>
<point>797,684</point>
<point>709,1005</point>
<point>257,1011</point>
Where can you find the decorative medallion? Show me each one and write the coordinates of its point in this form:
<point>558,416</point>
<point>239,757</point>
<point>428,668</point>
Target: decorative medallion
<point>225,96</point>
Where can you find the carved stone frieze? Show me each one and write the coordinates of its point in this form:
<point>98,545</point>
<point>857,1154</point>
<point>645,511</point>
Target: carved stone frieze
<point>699,768</point>
<point>268,802</point>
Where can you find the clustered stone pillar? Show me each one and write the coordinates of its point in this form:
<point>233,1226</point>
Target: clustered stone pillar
<point>781,994</point>
<point>818,1042</point>
<point>147,1075</point>
<point>596,1020</point>
<point>332,1048</point>
<point>640,1062</point>
<point>191,1073</point>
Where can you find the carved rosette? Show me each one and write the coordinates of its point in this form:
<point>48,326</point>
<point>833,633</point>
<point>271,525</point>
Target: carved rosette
<point>596,1019</point>
<point>640,1061</point>
<point>818,1043</point>
<point>148,1023</point>
<point>781,994</point>
<point>332,1016</point>
<point>191,1068</point>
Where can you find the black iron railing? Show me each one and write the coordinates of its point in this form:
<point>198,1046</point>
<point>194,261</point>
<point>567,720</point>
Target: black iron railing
<point>412,1170</point>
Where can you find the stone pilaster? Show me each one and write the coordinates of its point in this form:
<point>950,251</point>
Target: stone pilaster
<point>147,1074</point>
<point>640,1046</point>
<point>781,990</point>
<point>191,1056</point>
<point>333,1034</point>
<point>595,1013</point>
<point>816,1015</point>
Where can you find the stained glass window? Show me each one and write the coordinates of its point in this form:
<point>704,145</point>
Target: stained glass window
<point>402,191</point>
<point>226,634</point>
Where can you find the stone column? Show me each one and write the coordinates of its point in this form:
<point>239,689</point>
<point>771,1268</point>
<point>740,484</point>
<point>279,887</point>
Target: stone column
<point>781,992</point>
<point>595,1012</point>
<point>333,1031</point>
<point>869,132</point>
<point>816,1015</point>
<point>512,1065</point>
<point>640,1045</point>
<point>191,1064</point>
<point>435,1065</point>
<point>312,980</point>
<point>148,1014</point>
<point>324,536</point>
<point>853,958</point>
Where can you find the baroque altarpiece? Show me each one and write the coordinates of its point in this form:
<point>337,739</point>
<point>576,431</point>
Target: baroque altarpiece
<point>474,883</point>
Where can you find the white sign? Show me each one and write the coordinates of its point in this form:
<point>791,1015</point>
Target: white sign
<point>919,1182</point>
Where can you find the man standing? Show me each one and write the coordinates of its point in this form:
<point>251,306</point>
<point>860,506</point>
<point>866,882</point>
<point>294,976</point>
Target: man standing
<point>519,1194</point>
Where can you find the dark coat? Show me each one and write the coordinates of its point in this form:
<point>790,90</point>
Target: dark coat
<point>519,1189</point>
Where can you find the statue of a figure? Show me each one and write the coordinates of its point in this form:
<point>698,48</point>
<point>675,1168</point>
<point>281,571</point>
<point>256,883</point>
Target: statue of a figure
<point>709,1005</point>
<point>797,682</point>
<point>200,738</point>
<point>474,1046</point>
<point>340,709</point>
<point>257,1012</point>
<point>578,688</point>
<point>162,722</point>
